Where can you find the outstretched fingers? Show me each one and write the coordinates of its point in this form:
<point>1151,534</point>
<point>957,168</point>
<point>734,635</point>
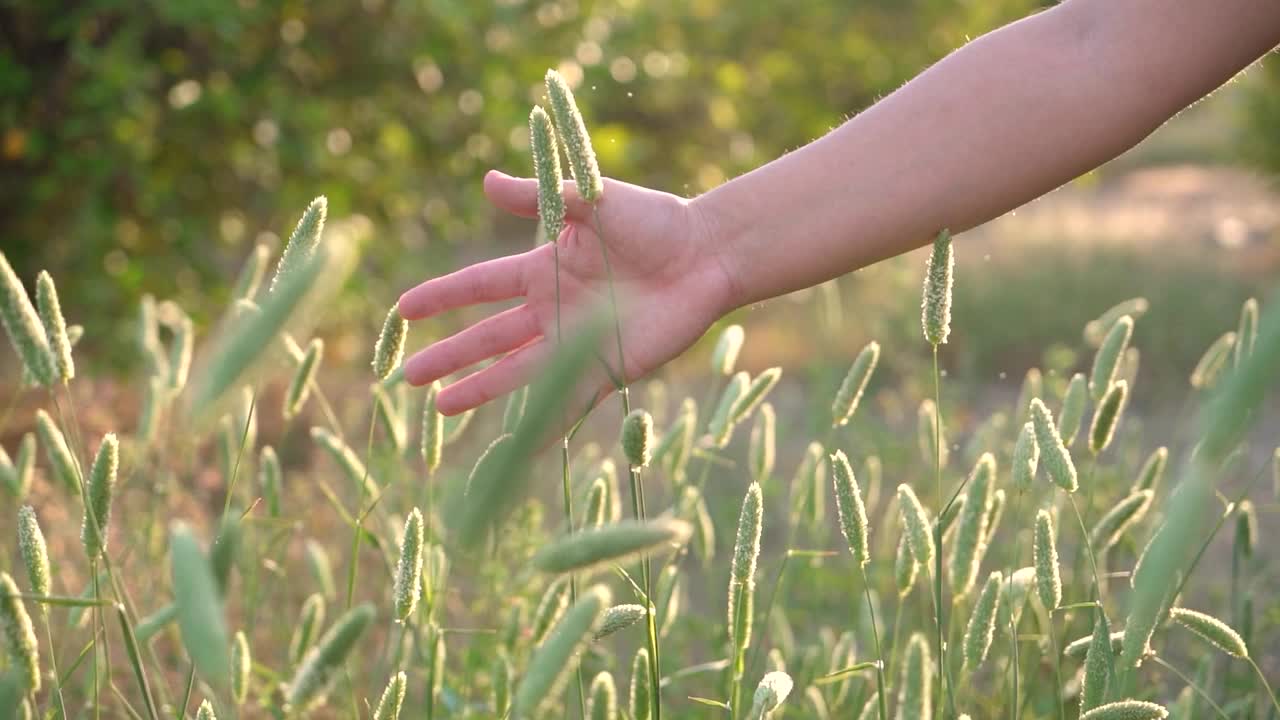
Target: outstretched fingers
<point>519,196</point>
<point>494,335</point>
<point>490,281</point>
<point>500,378</point>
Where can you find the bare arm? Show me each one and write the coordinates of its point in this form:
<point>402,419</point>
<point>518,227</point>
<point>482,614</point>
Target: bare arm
<point>997,123</point>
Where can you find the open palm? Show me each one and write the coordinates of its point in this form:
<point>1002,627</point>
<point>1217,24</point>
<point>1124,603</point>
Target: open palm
<point>670,288</point>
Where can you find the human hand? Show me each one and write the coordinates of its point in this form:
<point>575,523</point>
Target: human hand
<point>667,273</point>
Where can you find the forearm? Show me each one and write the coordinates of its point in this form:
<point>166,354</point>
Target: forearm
<point>999,122</point>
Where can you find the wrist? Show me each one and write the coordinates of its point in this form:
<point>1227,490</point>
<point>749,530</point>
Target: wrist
<point>716,242</point>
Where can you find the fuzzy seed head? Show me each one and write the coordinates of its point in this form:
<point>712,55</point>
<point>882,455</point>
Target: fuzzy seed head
<point>389,350</point>
<point>1247,332</point>
<point>392,698</point>
<point>849,507</point>
<point>309,624</point>
<point>15,475</point>
<point>1127,710</point>
<point>1211,364</point>
<point>552,605</point>
<point>35,554</point>
<point>1032,387</point>
<point>915,690</point>
<point>409,571</point>
<point>270,479</point>
<point>763,447</point>
<point>181,352</point>
<point>602,698</point>
<point>725,355</point>
<point>18,634</point>
<point>982,623</point>
<point>1126,513</point>
<point>303,241</point>
<point>551,662</point>
<point>936,308</point>
<point>503,677</point>
<point>905,567</point>
<point>56,450</point>
<point>22,324</point>
<point>573,133</point>
<point>617,618</point>
<point>205,712</point>
<point>1152,470</point>
<point>55,328</point>
<point>754,394</point>
<point>639,703</point>
<point>746,549</point>
<point>1107,417</point>
<point>1107,360</point>
<point>772,691</point>
<point>1095,331</point>
<point>916,523</point>
<point>546,167</point>
<point>1246,529</point>
<point>1057,460</point>
<point>1218,633</point>
<point>855,383</point>
<point>637,438</point>
<point>303,378</point>
<point>597,504</point>
<point>1072,413</point>
<point>1045,554</point>
<point>971,532</point>
<point>241,664</point>
<point>1098,665</point>
<point>432,430</point>
<point>101,490</point>
<point>346,459</point>
<point>324,662</point>
<point>721,425</point>
<point>931,434</point>
<point>1026,458</point>
<point>250,279</point>
<point>609,545</point>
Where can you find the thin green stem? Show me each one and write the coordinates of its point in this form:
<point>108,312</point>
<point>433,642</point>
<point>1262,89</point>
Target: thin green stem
<point>1088,544</point>
<point>1013,623</point>
<point>1191,684</point>
<point>244,440</point>
<point>97,623</point>
<point>875,634</point>
<point>773,596</point>
<point>1057,669</point>
<point>53,664</point>
<point>939,613</point>
<point>1271,695</point>
<point>358,520</point>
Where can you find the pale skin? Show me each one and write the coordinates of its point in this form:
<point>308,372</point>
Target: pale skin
<point>997,123</point>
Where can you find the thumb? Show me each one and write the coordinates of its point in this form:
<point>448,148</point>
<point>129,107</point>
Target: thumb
<point>519,196</point>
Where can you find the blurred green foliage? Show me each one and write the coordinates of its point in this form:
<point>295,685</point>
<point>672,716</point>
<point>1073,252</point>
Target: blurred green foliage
<point>147,145</point>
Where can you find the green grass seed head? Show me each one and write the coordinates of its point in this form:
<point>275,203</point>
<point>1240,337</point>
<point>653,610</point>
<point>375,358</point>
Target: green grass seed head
<point>639,703</point>
<point>855,383</point>
<point>994,515</point>
<point>755,393</point>
<point>15,475</point>
<point>1098,665</point>
<point>982,622</point>
<point>809,488</point>
<point>597,504</point>
<point>637,438</point>
<point>1057,460</point>
<point>101,490</point>
<point>971,532</point>
<point>346,459</point>
<point>619,617</point>
<point>35,553</point>
<point>1107,360</point>
<point>915,689</point>
<point>1071,415</point>
<point>720,426</point>
<point>1246,333</point>
<point>935,311</point>
<point>303,241</point>
<point>1152,470</point>
<point>251,273</point>
<point>675,447</point>
<point>546,167</point>
<point>503,678</point>
<point>1127,710</point>
<point>1216,632</point>
<point>931,434</point>
<point>389,417</point>
<point>303,377</point>
<point>553,659</point>
<point>320,567</point>
<point>602,698</point>
<point>205,711</point>
<point>309,624</point>
<point>57,452</point>
<point>55,328</point>
<point>1124,515</point>
<point>555,600</point>
<point>1095,331</point>
<point>432,430</point>
<point>609,545</point>
<point>324,661</point>
<point>763,447</point>
<point>772,691</point>
<point>905,567</point>
<point>1246,529</point>
<point>746,548</point>
<point>181,351</point>
<point>19,635</point>
<point>435,572</point>
<point>1026,458</point>
<point>916,523</point>
<point>389,350</point>
<point>1045,554</point>
<point>392,698</point>
<point>1079,647</point>
<point>849,507</point>
<point>573,133</point>
<point>1107,416</point>
<point>241,665</point>
<point>270,479</point>
<point>1211,364</point>
<point>22,324</point>
<point>725,355</point>
<point>148,339</point>
<point>409,571</point>
<point>1032,387</point>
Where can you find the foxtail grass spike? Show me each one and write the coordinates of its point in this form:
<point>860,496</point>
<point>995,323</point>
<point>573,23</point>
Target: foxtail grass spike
<point>971,532</point>
<point>1080,646</point>
<point>1096,330</point>
<point>855,383</point>
<point>432,430</point>
<point>1209,368</point>
<point>936,307</point>
<point>324,662</point>
<point>303,377</point>
<point>929,430</point>
<point>1112,526</point>
<point>982,623</point>
<point>915,689</point>
<point>101,489</point>
<point>610,544</point>
<point>772,691</point>
<point>849,506</point>
<point>1098,665</point>
<point>389,349</point>
<point>993,521</point>
<point>639,702</point>
<point>309,624</point>
<point>551,662</point>
<point>1107,416</point>
<point>392,698</point>
<point>55,328</point>
<point>1026,458</point>
<point>1246,333</point>
<point>18,635</point>
<point>1056,458</point>
<point>241,665</point>
<point>1045,554</point>
<point>725,355</point>
<point>602,698</point>
<point>1127,710</point>
<point>550,608</point>
<point>573,133</point>
<point>1106,361</point>
<point>619,617</point>
<point>303,242</point>
<point>546,167</point>
<point>597,504</point>
<point>346,459</point>
<point>503,677</point>
<point>180,352</point>
<point>205,711</point>
<point>15,475</point>
<point>673,450</point>
<point>1032,387</point>
<point>637,438</point>
<point>1246,529</point>
<point>720,427</point>
<point>746,549</point>
<point>905,567</point>
<point>409,571</point>
<point>754,394</point>
<point>251,273</point>
<point>763,447</point>
<point>35,553</point>
<point>916,523</point>
<point>1216,632</point>
<point>59,455</point>
<point>1152,470</point>
<point>23,326</point>
<point>1072,413</point>
<point>270,479</point>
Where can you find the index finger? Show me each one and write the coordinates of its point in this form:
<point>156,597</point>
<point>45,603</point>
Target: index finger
<point>489,281</point>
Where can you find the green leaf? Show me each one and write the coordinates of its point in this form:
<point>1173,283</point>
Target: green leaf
<point>200,612</point>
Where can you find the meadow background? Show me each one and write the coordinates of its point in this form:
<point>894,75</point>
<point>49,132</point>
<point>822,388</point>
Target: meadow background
<point>148,148</point>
